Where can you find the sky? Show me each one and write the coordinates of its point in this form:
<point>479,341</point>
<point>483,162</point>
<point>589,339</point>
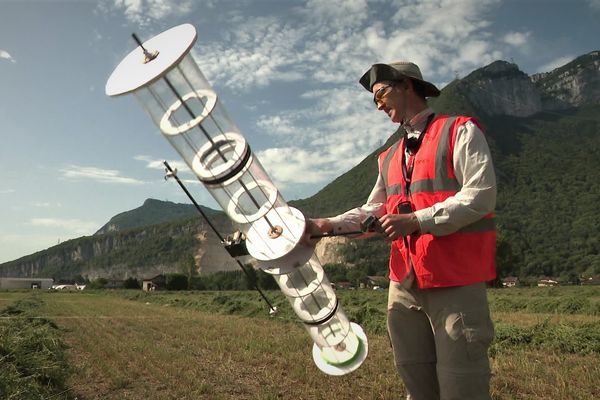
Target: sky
<point>286,72</point>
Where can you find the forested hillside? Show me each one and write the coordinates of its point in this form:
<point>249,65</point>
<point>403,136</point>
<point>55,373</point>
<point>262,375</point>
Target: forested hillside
<point>150,213</point>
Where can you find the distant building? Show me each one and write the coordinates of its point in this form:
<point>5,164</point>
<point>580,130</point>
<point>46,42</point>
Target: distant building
<point>68,287</point>
<point>592,280</point>
<point>157,282</point>
<point>26,283</point>
<point>510,281</point>
<point>546,282</point>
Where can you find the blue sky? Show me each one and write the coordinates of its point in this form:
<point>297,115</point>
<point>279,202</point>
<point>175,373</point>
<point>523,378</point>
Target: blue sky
<point>285,70</point>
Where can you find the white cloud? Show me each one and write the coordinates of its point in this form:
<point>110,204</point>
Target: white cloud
<point>326,45</point>
<point>556,63</point>
<point>74,226</point>
<point>153,163</point>
<point>45,204</point>
<point>594,4</point>
<point>6,56</point>
<point>294,165</point>
<point>264,45</point>
<point>7,191</point>
<point>97,174</point>
<point>276,125</point>
<point>326,139</point>
<point>517,39</point>
<point>144,12</point>
<point>332,42</point>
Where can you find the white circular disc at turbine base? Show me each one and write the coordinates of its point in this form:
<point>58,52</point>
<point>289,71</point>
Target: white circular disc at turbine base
<point>285,252</point>
<point>133,73</point>
<point>347,360</point>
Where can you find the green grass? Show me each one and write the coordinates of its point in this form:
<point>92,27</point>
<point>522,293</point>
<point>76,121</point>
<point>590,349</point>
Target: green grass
<point>33,363</point>
<point>223,345</point>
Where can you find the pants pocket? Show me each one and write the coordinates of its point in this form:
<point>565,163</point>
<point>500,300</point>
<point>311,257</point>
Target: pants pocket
<point>478,331</point>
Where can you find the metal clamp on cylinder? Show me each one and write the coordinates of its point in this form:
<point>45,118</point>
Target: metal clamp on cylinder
<point>235,244</point>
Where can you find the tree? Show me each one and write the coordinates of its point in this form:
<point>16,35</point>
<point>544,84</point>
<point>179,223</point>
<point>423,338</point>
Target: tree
<point>187,265</point>
<point>265,280</point>
<point>99,283</point>
<point>177,282</point>
<point>132,283</point>
<point>336,272</point>
<point>251,279</point>
<point>197,283</point>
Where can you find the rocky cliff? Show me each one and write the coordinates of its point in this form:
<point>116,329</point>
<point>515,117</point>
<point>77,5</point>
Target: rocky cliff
<point>572,85</point>
<point>144,251</point>
<point>501,88</point>
<point>138,252</point>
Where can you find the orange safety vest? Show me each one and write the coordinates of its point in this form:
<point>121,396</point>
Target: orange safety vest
<point>461,258</point>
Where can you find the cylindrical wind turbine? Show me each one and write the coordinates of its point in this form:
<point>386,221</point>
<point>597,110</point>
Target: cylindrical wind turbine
<point>168,83</point>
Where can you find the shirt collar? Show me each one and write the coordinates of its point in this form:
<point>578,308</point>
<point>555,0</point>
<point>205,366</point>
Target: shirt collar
<point>415,126</point>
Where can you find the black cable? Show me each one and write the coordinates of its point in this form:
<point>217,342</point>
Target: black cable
<point>174,175</point>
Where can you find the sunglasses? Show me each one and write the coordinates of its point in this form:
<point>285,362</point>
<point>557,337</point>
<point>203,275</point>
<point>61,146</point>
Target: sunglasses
<point>381,93</point>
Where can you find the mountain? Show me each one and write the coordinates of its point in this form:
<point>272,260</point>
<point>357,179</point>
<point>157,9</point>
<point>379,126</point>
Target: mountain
<point>150,213</point>
<point>544,132</point>
<point>501,88</point>
<point>572,85</point>
<point>137,252</point>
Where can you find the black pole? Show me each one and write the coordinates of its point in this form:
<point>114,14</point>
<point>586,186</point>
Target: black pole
<point>174,175</point>
<point>332,234</point>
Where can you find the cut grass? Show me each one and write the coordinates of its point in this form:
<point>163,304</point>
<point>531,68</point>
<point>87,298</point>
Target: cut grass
<point>176,346</point>
<point>32,354</point>
<point>131,350</point>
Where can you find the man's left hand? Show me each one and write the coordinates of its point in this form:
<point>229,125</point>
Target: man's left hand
<point>398,225</point>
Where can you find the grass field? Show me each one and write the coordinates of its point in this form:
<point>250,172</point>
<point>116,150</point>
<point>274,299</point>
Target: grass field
<point>130,345</point>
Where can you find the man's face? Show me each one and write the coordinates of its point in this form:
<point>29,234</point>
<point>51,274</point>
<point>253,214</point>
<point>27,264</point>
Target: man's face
<point>390,97</point>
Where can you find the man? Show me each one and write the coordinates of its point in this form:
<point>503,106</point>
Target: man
<point>434,199</point>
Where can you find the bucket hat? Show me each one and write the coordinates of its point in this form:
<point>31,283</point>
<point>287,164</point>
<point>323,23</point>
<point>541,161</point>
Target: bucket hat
<point>397,71</point>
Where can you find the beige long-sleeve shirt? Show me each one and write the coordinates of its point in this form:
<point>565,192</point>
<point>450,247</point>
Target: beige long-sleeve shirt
<point>474,172</point>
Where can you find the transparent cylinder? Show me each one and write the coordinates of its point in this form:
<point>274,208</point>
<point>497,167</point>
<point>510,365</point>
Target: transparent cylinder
<point>174,92</point>
<point>314,301</point>
<point>190,116</point>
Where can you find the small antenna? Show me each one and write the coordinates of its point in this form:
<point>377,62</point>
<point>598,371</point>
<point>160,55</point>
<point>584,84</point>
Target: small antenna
<point>148,56</point>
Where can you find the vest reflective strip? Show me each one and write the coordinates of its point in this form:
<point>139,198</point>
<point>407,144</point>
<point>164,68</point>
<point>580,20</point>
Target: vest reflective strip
<point>394,189</point>
<point>441,161</point>
<point>441,182</point>
<point>386,164</point>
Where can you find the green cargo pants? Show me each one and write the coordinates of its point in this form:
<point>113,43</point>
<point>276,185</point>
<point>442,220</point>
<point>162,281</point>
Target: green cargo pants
<point>440,339</point>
